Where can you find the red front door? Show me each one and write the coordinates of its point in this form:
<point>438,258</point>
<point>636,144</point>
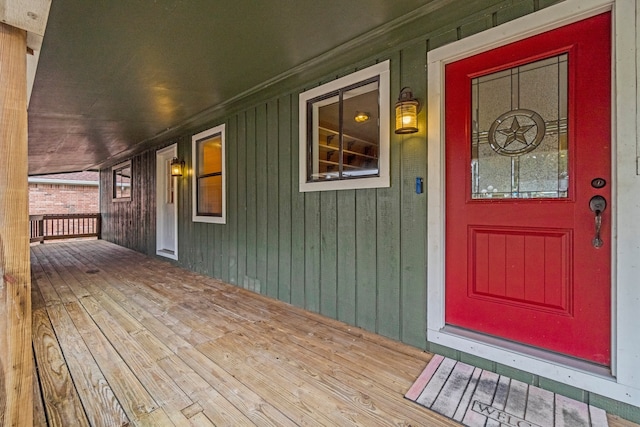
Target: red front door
<point>527,147</point>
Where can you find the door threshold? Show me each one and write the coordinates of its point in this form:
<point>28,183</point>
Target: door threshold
<point>167,253</point>
<point>529,351</point>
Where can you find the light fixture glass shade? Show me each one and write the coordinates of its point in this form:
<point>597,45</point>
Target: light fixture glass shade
<point>361,117</point>
<point>406,112</point>
<point>176,167</point>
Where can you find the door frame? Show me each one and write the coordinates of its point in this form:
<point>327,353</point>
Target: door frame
<point>623,381</point>
<point>166,153</point>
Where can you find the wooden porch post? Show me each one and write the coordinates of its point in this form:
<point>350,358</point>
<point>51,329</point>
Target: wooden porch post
<point>16,369</point>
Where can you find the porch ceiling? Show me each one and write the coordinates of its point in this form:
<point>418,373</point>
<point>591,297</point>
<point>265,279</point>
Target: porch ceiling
<point>116,77</point>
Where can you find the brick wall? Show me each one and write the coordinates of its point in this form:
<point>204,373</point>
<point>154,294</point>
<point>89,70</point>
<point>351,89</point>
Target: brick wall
<point>63,199</point>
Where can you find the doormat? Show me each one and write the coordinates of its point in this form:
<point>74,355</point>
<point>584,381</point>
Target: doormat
<point>478,398</point>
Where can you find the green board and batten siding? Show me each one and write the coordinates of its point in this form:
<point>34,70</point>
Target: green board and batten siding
<point>355,255</point>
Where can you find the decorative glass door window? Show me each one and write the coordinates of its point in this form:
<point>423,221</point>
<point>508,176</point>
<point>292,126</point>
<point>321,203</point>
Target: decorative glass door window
<point>344,138</point>
<point>519,132</point>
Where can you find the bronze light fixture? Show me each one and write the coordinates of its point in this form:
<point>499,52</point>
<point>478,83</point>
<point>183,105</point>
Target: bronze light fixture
<point>406,112</point>
<point>176,166</point>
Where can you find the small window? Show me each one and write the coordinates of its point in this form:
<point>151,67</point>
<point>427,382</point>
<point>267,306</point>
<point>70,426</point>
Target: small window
<point>122,181</point>
<point>344,132</point>
<point>209,179</point>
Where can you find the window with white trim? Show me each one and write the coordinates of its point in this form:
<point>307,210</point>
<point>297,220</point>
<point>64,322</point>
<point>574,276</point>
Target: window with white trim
<point>121,180</point>
<point>208,150</point>
<point>344,132</point>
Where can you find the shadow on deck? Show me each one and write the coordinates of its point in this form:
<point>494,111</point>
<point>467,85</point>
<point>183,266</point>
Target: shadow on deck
<point>120,338</point>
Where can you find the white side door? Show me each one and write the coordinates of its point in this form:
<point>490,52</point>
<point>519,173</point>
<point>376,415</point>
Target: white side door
<point>166,204</point>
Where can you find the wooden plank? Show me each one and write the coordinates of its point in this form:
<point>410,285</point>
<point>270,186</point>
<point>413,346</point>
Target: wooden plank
<point>294,396</point>
<point>350,352</point>
<point>328,254</point>
<point>273,199</point>
<point>39,416</point>
<point>363,393</point>
<point>366,256</point>
<point>231,148</point>
<point>285,181</point>
<point>97,397</point>
<point>262,193</point>
<point>42,279</point>
<point>346,254</point>
<point>268,363</point>
<point>201,419</point>
<point>185,224</point>
<point>244,398</point>
<point>298,224</point>
<point>312,265</point>
<point>387,236</point>
<point>157,418</point>
<point>62,404</point>
<point>413,207</point>
<point>242,198</point>
<point>163,388</point>
<point>251,207</point>
<point>217,408</point>
<point>122,380</point>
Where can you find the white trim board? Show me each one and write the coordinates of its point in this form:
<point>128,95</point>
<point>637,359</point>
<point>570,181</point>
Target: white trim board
<point>624,383</point>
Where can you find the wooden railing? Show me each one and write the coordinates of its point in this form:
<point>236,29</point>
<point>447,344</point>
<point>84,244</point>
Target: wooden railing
<point>64,226</point>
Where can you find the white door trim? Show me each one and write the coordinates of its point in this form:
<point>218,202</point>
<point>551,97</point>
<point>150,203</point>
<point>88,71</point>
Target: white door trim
<point>624,382</point>
<point>161,186</point>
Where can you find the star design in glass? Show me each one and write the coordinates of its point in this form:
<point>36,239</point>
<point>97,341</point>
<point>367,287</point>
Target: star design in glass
<point>515,132</point>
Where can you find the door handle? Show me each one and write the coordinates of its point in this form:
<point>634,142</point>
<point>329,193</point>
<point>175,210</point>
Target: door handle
<point>597,204</point>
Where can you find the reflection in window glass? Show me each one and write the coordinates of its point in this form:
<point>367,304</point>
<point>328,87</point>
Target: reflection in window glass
<point>122,181</point>
<point>209,176</point>
<point>519,132</point>
<point>344,135</point>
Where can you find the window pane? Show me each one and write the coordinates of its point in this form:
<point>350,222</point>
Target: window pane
<point>361,134</point>
<point>519,132</point>
<point>341,149</point>
<point>122,182</point>
<point>210,195</point>
<point>210,155</point>
<point>325,149</point>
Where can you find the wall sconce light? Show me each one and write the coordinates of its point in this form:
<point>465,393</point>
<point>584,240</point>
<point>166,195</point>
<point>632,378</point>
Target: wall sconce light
<point>407,112</point>
<point>176,167</point>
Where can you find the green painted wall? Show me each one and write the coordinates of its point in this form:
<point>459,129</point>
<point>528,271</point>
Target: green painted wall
<point>356,255</point>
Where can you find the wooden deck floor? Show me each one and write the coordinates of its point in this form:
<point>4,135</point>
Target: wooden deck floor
<point>124,339</point>
<point>120,337</point>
